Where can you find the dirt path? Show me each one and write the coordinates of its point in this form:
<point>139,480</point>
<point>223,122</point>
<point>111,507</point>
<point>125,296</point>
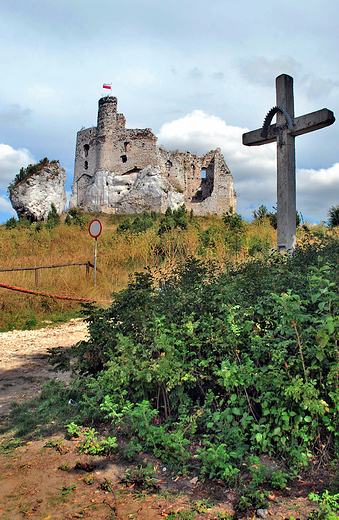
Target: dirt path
<point>52,480</point>
<point>24,359</point>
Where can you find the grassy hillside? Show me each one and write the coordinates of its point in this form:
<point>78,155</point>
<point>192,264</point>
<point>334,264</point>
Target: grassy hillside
<point>127,244</point>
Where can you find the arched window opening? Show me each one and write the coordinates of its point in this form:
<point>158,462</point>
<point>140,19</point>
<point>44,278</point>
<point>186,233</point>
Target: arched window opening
<point>86,148</point>
<point>168,165</point>
<point>86,165</point>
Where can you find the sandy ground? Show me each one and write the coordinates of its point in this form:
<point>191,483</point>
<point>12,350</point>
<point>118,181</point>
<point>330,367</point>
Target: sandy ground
<point>48,483</point>
<point>24,359</point>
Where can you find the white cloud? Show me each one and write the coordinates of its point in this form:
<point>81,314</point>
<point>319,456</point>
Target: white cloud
<point>253,168</point>
<point>6,206</point>
<point>11,161</point>
<point>317,191</point>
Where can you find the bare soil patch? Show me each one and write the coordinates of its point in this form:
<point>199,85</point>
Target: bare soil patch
<point>24,360</point>
<point>41,481</point>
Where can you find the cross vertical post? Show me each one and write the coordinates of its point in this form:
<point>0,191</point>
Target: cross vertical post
<point>286,181</point>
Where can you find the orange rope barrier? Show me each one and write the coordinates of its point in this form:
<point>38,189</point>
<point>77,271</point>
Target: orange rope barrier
<point>20,289</point>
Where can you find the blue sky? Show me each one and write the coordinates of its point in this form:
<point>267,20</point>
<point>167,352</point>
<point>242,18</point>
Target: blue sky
<point>198,73</point>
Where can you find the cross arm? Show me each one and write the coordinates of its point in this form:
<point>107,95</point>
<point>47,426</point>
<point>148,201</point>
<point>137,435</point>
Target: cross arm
<point>313,121</point>
<point>254,138</point>
<point>301,125</point>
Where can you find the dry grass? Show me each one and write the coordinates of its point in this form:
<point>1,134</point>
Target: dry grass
<point>119,255</point>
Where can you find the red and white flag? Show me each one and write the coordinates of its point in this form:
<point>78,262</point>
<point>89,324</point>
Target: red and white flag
<point>107,85</point>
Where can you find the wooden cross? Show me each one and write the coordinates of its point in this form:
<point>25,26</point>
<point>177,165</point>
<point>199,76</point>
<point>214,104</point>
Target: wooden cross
<point>284,132</point>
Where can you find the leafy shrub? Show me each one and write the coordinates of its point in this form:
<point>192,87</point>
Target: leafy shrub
<point>244,361</point>
<point>232,220</point>
<point>141,477</point>
<point>139,224</point>
<point>89,442</point>
<point>333,216</point>
<point>328,504</point>
<point>78,217</point>
<point>173,219</point>
<point>11,223</point>
<point>53,218</point>
<point>260,213</point>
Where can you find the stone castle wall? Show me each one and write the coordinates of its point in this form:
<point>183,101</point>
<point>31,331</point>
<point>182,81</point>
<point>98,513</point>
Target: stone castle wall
<point>109,157</point>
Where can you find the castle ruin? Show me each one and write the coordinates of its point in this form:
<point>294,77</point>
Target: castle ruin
<point>112,163</point>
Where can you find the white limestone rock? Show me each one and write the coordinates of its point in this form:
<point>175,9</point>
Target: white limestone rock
<point>150,191</point>
<point>34,197</point>
<point>105,189</point>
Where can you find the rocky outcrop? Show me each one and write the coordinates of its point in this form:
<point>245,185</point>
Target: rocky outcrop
<point>150,191</point>
<point>33,198</point>
<point>135,192</point>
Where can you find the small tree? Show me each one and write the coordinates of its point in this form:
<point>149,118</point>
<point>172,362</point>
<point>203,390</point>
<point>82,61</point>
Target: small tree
<point>272,215</point>
<point>260,213</point>
<point>232,220</point>
<point>53,217</point>
<point>333,216</point>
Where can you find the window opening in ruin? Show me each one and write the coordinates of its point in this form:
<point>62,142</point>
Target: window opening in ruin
<point>86,165</point>
<point>124,158</point>
<point>126,146</point>
<point>86,148</point>
<point>133,170</point>
<point>168,165</point>
<point>203,173</point>
<point>192,166</point>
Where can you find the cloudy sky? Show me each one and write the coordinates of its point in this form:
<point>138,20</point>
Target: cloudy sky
<point>198,73</point>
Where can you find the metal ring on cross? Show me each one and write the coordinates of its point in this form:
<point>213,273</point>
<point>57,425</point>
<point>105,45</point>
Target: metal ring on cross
<point>269,117</point>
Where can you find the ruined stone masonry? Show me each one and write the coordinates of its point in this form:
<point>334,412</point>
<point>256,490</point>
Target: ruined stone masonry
<point>118,170</point>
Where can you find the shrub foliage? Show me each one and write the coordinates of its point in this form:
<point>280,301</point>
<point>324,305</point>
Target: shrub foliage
<point>241,361</point>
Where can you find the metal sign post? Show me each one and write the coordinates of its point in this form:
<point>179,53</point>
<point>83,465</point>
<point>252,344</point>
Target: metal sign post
<point>94,230</point>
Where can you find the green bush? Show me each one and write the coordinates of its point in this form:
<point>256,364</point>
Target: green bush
<point>243,361</point>
<point>11,223</point>
<point>173,219</point>
<point>53,218</point>
<point>333,216</point>
<point>139,224</point>
<point>78,217</point>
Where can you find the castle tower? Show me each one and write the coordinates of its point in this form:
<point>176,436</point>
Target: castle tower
<point>107,116</point>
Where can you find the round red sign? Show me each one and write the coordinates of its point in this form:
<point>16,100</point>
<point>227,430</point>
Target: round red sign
<point>95,228</point>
